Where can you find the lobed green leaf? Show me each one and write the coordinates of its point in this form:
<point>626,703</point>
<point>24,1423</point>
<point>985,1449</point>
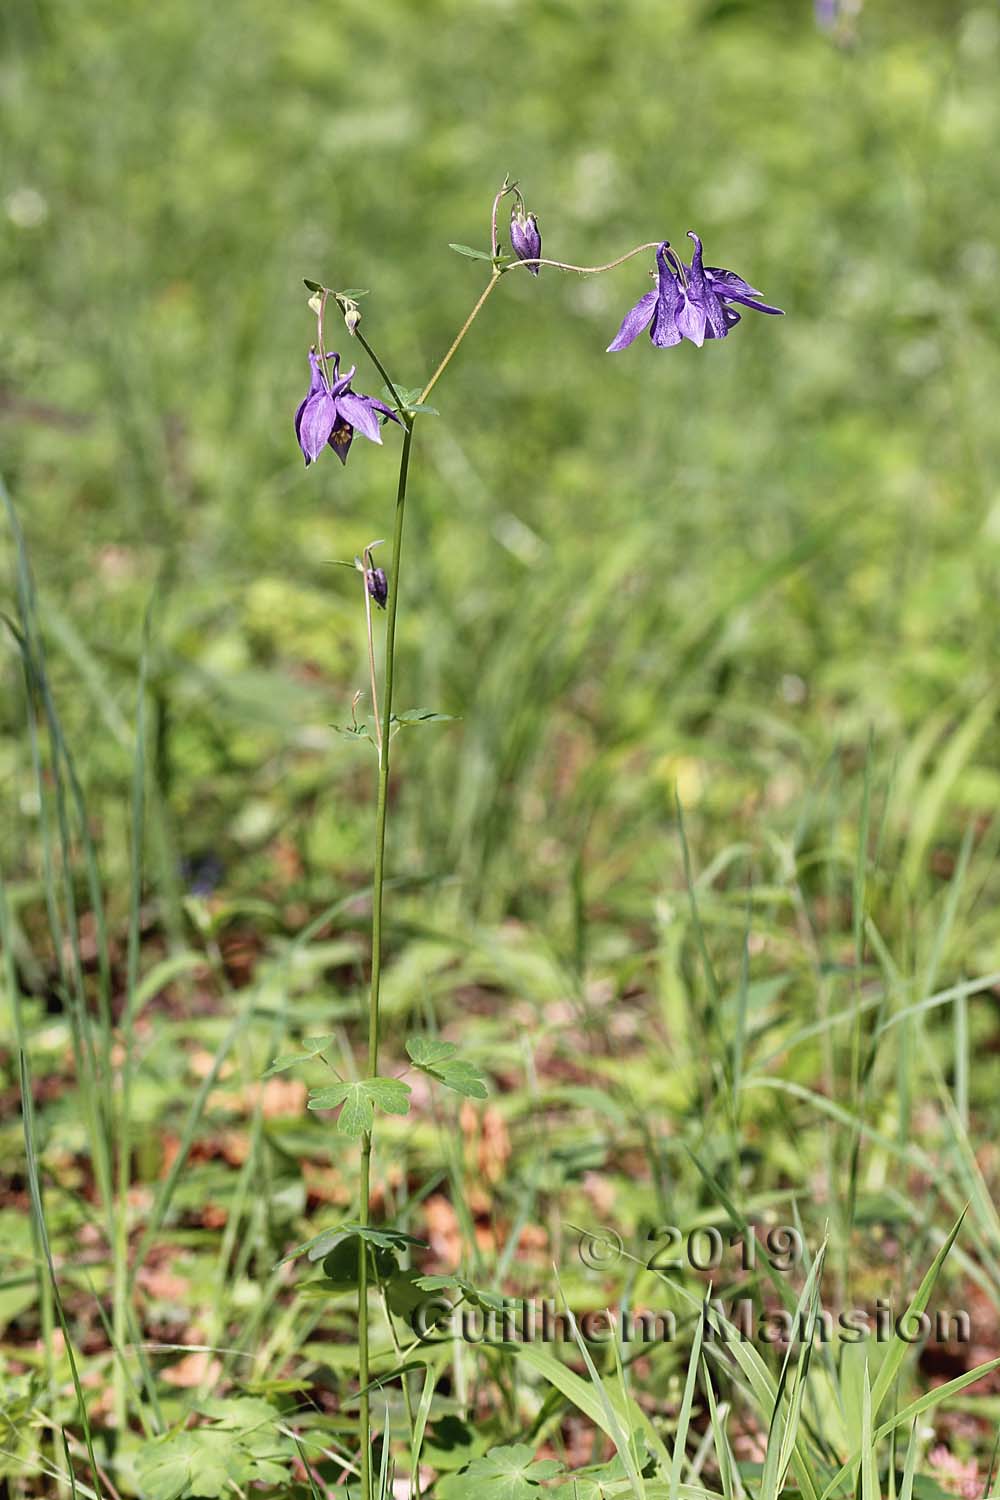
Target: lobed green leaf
<point>359,1100</point>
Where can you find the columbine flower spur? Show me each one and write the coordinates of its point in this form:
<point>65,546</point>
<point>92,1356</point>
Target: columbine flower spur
<point>331,413</point>
<point>689,302</point>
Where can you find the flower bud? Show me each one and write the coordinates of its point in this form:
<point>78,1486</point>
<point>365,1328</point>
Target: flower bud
<point>352,313</point>
<point>525,240</point>
<point>377,585</point>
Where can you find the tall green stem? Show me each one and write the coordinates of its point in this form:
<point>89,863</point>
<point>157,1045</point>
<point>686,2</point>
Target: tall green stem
<point>460,335</point>
<point>383,770</point>
<point>120,1243</point>
<point>373,1016</point>
<point>378,880</point>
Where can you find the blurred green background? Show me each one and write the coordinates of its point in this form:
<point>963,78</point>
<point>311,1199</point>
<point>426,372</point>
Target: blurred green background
<point>714,568</point>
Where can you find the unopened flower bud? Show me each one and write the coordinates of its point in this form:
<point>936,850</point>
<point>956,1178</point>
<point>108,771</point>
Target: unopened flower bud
<point>378,585</point>
<point>352,314</point>
<point>525,240</point>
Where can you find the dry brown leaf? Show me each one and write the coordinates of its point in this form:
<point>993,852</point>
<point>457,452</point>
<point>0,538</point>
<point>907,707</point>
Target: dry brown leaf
<point>200,1365</point>
<point>443,1232</point>
<point>494,1144</point>
<point>600,1192</point>
<point>163,1284</point>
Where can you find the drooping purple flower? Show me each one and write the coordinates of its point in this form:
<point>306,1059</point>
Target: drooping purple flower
<point>525,240</point>
<point>377,585</point>
<point>331,413</point>
<point>689,302</point>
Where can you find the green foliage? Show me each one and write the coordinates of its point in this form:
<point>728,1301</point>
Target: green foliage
<point>438,1060</point>
<point>508,1473</point>
<point>340,1266</point>
<point>421,716</point>
<point>360,1100</point>
<point>410,397</point>
<point>313,1046</point>
<point>239,1446</point>
<point>469,253</point>
<point>596,1481</point>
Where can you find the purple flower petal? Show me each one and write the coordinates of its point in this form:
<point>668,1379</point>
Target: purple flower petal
<point>730,317</point>
<point>525,240</point>
<point>728,284</point>
<point>356,410</point>
<point>341,383</point>
<point>377,585</point>
<point>716,324</point>
<point>635,321</point>
<point>341,438</point>
<point>665,333</point>
<point>317,382</point>
<point>696,262</point>
<point>692,319</point>
<point>386,411</point>
<point>315,423</point>
<point>702,296</point>
<point>763,307</point>
<point>317,387</point>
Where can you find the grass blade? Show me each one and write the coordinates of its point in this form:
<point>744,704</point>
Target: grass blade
<point>35,1188</point>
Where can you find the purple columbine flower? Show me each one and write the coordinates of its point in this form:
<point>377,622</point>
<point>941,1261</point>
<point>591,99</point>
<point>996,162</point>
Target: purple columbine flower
<point>525,240</point>
<point>689,302</point>
<point>377,585</point>
<point>331,413</point>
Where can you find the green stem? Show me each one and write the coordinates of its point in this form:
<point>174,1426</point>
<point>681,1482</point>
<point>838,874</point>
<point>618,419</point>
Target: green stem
<point>380,367</point>
<point>373,1015</point>
<point>460,335</point>
<point>121,1304</point>
<point>563,265</point>
<point>369,566</point>
<point>378,880</point>
<point>364,1410</point>
<point>383,774</point>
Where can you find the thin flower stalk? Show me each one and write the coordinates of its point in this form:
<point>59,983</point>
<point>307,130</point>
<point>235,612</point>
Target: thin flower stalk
<point>368,571</point>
